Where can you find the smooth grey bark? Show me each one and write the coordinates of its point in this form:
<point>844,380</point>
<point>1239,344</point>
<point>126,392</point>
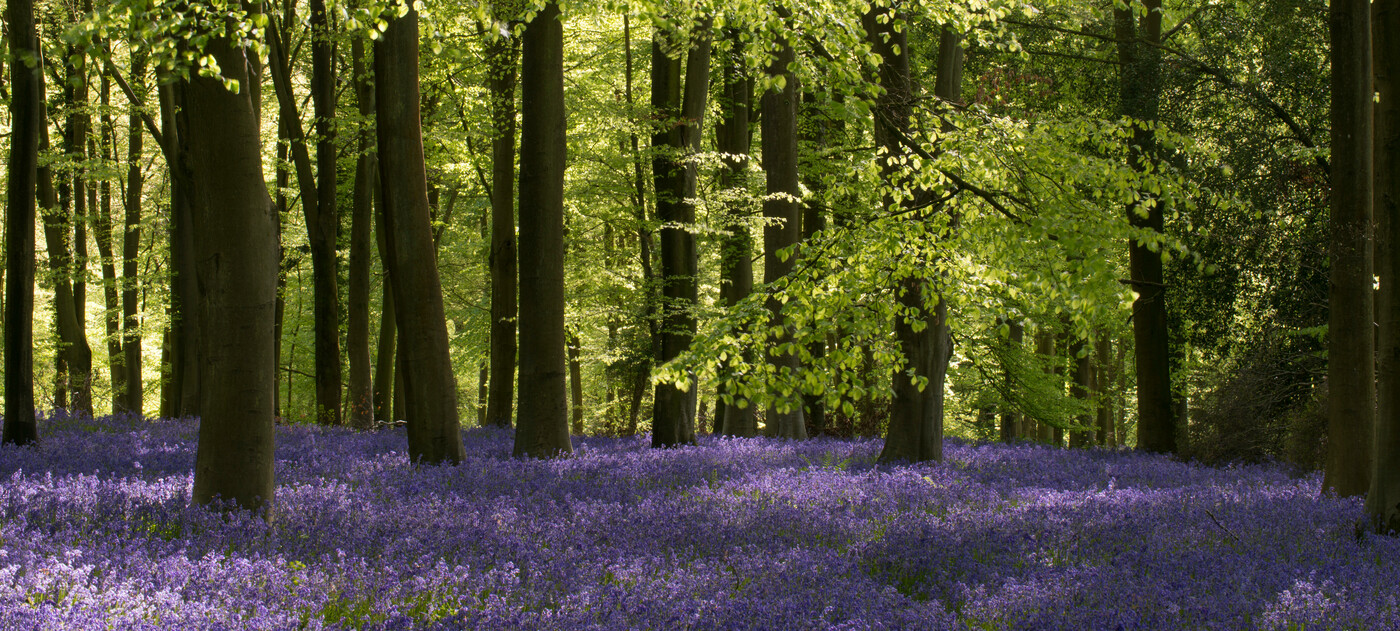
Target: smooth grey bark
<point>1081,353</point>
<point>361,389</point>
<point>1139,93</point>
<point>235,240</point>
<point>778,125</point>
<point>1012,420</point>
<point>22,170</point>
<point>575,383</point>
<point>1045,348</point>
<point>543,425</point>
<point>429,386</point>
<point>132,362</point>
<point>680,107</point>
<point>318,199</point>
<point>814,128</point>
<point>74,350</point>
<point>185,333</point>
<point>386,354</point>
<point>504,57</point>
<point>1103,389</point>
<point>106,248</point>
<point>1351,373</point>
<point>916,414</point>
<point>1383,500</point>
<point>734,139</point>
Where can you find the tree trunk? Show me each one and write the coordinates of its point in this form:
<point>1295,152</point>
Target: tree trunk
<point>27,121</point>
<point>131,246</point>
<point>1350,368</point>
<point>1011,418</point>
<point>576,384</point>
<point>1383,502</point>
<point>235,237</point>
<point>1140,89</point>
<point>734,138</point>
<point>1045,348</point>
<point>184,295</point>
<point>543,425</point>
<point>814,222</point>
<point>680,110</point>
<point>778,122</point>
<point>483,391</point>
<point>1103,388</point>
<point>106,249</point>
<point>361,393</point>
<point>74,350</point>
<point>916,415</point>
<point>318,200</point>
<point>503,55</point>
<point>1080,388</point>
<point>386,377</point>
<point>430,389</point>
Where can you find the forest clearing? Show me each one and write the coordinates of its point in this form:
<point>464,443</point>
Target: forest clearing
<point>98,533</point>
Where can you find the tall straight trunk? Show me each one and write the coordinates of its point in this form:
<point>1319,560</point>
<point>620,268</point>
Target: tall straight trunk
<point>1139,94</point>
<point>680,108</point>
<point>102,222</point>
<point>1081,388</point>
<point>318,199</point>
<point>778,123</point>
<point>75,145</point>
<point>1045,349</point>
<point>131,246</point>
<point>543,426</point>
<point>360,392</point>
<point>279,317</point>
<point>75,352</point>
<point>734,139</point>
<point>1383,501</point>
<point>1103,389</point>
<point>1011,418</point>
<point>1350,345</point>
<point>503,55</point>
<point>429,386</point>
<point>642,370</point>
<point>325,229</point>
<point>386,355</point>
<point>575,383</point>
<point>184,295</point>
<point>813,222</point>
<point>235,235</point>
<point>916,415</point>
<point>27,121</point>
<point>483,391</point>
<point>284,179</point>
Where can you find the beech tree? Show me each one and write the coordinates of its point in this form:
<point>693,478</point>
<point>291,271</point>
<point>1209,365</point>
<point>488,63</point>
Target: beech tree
<point>428,384</point>
<point>22,173</point>
<point>679,105</point>
<point>733,138</point>
<point>543,426</point>
<point>1139,99</point>
<point>318,197</point>
<point>503,55</point>
<point>1351,373</point>
<point>235,238</point>
<point>1383,501</point>
<point>783,210</point>
<point>361,388</point>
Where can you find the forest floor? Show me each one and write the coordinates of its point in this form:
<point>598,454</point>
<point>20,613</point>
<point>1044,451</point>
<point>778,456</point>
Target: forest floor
<point>96,533</point>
